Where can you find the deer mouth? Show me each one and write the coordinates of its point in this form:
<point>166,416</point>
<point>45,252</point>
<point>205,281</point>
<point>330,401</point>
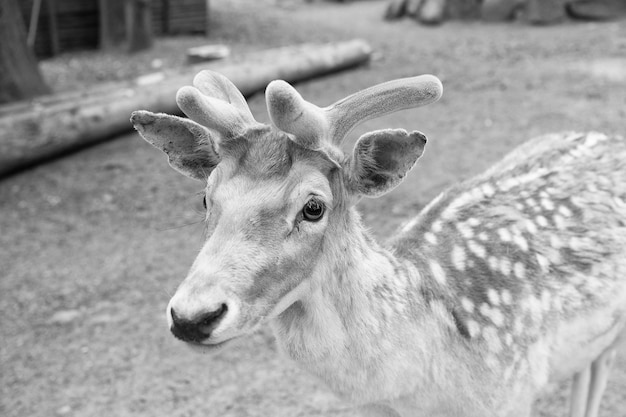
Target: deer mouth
<point>206,346</point>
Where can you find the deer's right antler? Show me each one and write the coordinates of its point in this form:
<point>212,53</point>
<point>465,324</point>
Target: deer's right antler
<point>316,127</point>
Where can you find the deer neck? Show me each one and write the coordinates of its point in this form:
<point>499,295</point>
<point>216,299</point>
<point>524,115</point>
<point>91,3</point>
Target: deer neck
<point>361,306</point>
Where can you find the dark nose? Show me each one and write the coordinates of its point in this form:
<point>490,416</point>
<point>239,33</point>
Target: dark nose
<point>199,328</point>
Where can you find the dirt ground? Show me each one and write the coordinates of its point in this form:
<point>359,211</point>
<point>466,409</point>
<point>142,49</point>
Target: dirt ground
<point>93,245</point>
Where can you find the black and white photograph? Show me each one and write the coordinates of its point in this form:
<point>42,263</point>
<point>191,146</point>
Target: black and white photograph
<point>313,208</point>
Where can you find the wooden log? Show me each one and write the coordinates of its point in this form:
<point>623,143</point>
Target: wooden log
<point>597,9</point>
<point>500,10</point>
<point>463,9</point>
<point>544,12</point>
<point>37,131</point>
<point>395,9</point>
<point>413,7</point>
<point>432,12</point>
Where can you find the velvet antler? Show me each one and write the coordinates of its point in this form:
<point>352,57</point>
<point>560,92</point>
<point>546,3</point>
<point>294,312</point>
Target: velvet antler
<point>317,128</point>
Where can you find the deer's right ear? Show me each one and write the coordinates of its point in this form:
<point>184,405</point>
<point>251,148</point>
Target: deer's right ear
<point>188,145</point>
<point>381,159</point>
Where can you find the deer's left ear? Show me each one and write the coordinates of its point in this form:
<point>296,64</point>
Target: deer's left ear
<point>381,159</point>
<point>189,146</point>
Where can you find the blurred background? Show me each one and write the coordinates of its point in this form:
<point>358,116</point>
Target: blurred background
<point>96,231</point>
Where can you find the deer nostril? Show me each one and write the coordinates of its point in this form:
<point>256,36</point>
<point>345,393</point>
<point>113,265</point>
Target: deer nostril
<point>209,321</point>
<point>198,328</point>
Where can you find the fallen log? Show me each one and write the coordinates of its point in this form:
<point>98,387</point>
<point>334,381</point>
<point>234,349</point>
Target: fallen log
<point>46,128</point>
<point>545,12</point>
<point>500,10</point>
<point>432,12</point>
<point>596,9</point>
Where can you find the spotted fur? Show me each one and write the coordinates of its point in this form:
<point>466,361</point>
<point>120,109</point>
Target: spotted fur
<point>504,284</point>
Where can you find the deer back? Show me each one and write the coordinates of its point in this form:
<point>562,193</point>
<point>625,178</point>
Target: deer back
<point>533,249</point>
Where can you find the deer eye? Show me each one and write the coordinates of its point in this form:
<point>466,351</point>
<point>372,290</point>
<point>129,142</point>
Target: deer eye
<point>313,210</point>
<point>204,202</point>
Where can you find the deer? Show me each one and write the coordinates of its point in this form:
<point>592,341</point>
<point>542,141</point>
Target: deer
<point>503,285</point>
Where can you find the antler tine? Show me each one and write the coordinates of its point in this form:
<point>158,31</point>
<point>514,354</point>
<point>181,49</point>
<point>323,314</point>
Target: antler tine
<point>314,126</point>
<point>381,99</point>
<point>216,103</point>
<point>214,84</point>
<point>292,114</point>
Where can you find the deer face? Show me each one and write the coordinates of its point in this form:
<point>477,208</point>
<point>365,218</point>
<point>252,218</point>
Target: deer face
<point>273,196</point>
<point>266,226</point>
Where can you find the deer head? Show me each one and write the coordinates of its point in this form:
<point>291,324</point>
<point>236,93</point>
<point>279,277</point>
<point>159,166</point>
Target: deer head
<point>276,196</point>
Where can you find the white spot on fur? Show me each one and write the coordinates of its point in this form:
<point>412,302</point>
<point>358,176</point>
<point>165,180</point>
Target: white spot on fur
<point>531,227</point>
<point>472,221</point>
<point>493,296</point>
<point>547,204</point>
<point>488,190</point>
<point>507,184</point>
<point>505,266</point>
<point>541,221</point>
<point>533,305</point>
<point>430,238</point>
<point>492,313</point>
<point>543,262</point>
<point>437,227</point>
<point>565,211</point>
<point>559,221</point>
<point>504,235</point>
<point>473,328</point>
<point>465,230</point>
<point>467,304</point>
<point>438,272</point>
<point>592,140</point>
<point>477,249</point>
<point>575,243</point>
<point>490,334</point>
<point>506,297</point>
<point>493,263</point>
<point>458,258</point>
<point>556,242</point>
<point>520,241</point>
<point>519,270</point>
<point>483,237</point>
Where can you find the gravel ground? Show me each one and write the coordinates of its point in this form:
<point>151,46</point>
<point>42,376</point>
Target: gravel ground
<point>94,245</point>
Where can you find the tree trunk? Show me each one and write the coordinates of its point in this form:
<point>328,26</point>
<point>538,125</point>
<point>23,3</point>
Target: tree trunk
<point>544,12</point>
<point>112,27</point>
<point>19,72</point>
<point>31,133</point>
<point>138,25</point>
<point>125,24</point>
